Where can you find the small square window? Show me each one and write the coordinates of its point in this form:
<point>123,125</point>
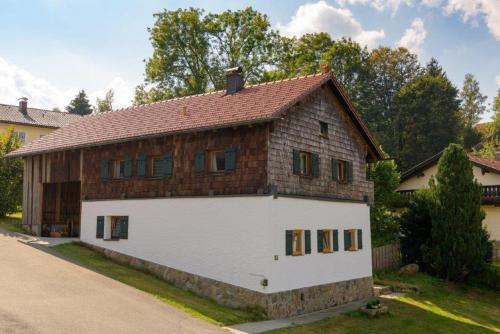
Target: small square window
<point>297,242</point>
<point>119,169</point>
<point>305,163</point>
<point>156,166</point>
<point>217,161</point>
<point>323,126</point>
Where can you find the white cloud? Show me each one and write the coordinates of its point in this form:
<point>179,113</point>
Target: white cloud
<point>379,5</point>
<point>472,11</point>
<point>338,22</point>
<point>414,36</point>
<point>16,82</point>
<point>498,80</point>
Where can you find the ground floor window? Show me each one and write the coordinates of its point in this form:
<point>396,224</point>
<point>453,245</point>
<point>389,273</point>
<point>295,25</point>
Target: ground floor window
<point>353,240</point>
<point>112,227</point>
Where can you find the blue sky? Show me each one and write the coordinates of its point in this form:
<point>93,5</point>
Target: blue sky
<point>52,48</point>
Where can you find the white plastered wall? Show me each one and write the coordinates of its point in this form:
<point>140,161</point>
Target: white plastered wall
<point>235,239</point>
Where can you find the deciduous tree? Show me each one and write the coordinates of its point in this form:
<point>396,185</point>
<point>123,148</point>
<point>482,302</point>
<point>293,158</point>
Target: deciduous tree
<point>11,174</point>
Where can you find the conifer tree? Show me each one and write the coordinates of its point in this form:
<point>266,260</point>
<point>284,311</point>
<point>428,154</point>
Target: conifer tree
<point>459,244</point>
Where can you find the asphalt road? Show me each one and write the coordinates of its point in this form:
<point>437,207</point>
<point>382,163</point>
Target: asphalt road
<point>41,293</point>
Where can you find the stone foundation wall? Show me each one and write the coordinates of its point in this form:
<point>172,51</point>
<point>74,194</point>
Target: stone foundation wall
<point>275,305</point>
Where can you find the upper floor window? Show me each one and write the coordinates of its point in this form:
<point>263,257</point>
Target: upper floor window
<point>342,171</point>
<point>156,166</point>
<point>119,169</point>
<point>323,128</point>
<point>217,161</point>
<point>305,163</point>
<point>20,135</point>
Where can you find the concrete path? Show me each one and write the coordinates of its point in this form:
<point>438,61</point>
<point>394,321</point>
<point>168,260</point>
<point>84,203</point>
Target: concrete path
<point>41,293</point>
<point>263,326</point>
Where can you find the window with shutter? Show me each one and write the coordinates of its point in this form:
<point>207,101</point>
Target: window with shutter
<point>340,170</point>
<point>156,169</point>
<point>124,227</point>
<point>230,159</point>
<point>350,171</point>
<point>199,162</point>
<point>127,171</point>
<point>347,240</point>
<point>307,237</point>
<point>320,241</point>
<point>360,239</point>
<point>296,162</point>
<point>297,243</point>
<point>335,243</point>
<point>168,164</point>
<point>141,166</point>
<point>99,234</point>
<point>335,169</point>
<point>104,169</point>
<point>289,242</point>
<point>315,165</point>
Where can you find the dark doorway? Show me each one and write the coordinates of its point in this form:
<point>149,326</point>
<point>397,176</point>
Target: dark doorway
<point>61,209</point>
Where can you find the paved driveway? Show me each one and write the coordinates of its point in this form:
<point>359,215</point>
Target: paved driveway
<point>40,293</point>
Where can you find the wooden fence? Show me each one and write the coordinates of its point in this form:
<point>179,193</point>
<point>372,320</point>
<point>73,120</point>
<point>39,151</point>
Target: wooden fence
<point>388,256</point>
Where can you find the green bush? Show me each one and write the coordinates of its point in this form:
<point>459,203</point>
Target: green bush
<point>416,226</point>
<point>11,175</point>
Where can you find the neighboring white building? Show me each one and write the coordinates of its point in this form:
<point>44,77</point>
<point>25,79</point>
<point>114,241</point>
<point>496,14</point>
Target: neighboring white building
<point>486,171</point>
<point>253,196</point>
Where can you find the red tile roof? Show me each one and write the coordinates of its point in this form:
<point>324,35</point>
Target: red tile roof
<point>257,103</point>
<point>491,165</point>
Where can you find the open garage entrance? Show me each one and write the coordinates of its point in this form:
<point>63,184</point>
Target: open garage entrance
<point>61,209</point>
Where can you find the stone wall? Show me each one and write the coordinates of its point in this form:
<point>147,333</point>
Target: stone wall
<point>275,305</point>
<point>300,129</point>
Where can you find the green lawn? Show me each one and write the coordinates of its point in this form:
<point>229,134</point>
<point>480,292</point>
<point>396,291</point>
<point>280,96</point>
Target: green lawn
<point>440,307</point>
<point>194,304</point>
<point>12,223</point>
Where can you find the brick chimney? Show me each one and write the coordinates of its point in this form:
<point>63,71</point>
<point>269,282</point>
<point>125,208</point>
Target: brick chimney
<point>23,105</point>
<point>234,80</point>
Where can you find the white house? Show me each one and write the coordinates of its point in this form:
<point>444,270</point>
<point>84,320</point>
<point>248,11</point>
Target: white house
<point>253,196</point>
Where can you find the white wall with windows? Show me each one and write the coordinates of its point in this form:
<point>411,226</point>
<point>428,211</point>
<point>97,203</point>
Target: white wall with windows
<point>238,240</point>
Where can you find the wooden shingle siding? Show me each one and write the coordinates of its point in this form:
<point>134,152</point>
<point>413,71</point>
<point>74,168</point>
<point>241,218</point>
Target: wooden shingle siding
<point>300,130</point>
<point>249,176</point>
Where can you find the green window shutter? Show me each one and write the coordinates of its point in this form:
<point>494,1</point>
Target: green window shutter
<point>347,240</point>
<point>168,164</point>
<point>307,234</point>
<point>320,241</point>
<point>335,169</point>
<point>104,169</point>
<point>289,242</point>
<point>315,165</point>
<point>296,162</point>
<point>124,227</point>
<point>230,158</point>
<point>141,166</point>
<point>99,231</point>
<point>199,162</point>
<point>350,171</point>
<point>335,240</point>
<point>127,171</point>
<point>360,239</point>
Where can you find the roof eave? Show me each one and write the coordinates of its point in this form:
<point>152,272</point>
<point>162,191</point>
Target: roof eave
<point>129,139</point>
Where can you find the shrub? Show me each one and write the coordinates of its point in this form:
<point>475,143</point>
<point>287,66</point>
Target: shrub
<point>11,175</point>
<point>416,226</point>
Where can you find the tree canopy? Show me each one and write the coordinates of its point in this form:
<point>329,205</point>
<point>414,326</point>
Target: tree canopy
<point>11,174</point>
<point>80,104</point>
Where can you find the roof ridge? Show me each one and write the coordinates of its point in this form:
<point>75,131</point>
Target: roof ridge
<point>39,109</point>
<point>220,91</point>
